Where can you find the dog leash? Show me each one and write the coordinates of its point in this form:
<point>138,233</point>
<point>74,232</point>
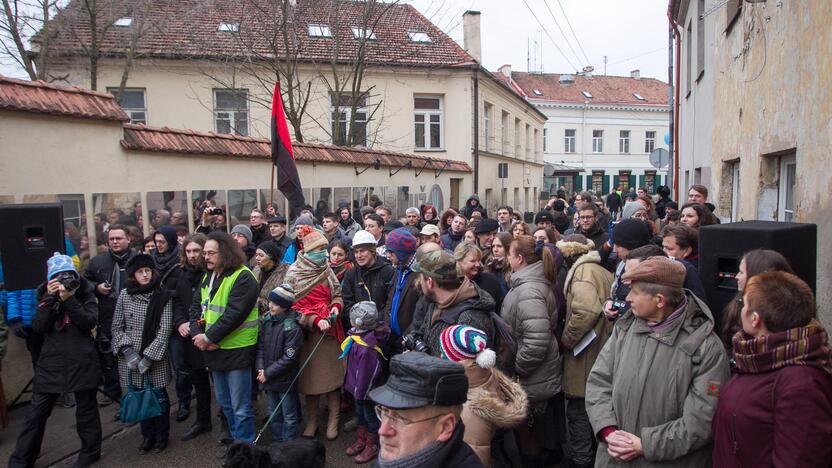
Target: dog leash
<point>280,403</point>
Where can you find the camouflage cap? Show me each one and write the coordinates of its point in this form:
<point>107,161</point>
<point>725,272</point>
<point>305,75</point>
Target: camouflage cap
<point>439,265</point>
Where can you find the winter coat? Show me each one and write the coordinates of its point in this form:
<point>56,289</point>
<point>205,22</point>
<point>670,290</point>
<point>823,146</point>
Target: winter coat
<point>100,270</point>
<point>241,299</point>
<point>454,453</point>
<point>489,283</point>
<point>469,210</point>
<point>368,284</point>
<point>494,402</point>
<point>659,386</point>
<point>350,229</point>
<point>268,281</point>
<point>693,282</point>
<point>283,243</point>
<point>279,343</point>
<point>596,233</point>
<point>530,308</point>
<point>259,234</point>
<point>365,369</point>
<point>407,303</point>
<point>474,312</point>
<point>128,326</point>
<point>450,240</point>
<point>68,359</point>
<point>187,283</point>
<point>586,290</point>
<point>777,418</point>
<point>614,202</point>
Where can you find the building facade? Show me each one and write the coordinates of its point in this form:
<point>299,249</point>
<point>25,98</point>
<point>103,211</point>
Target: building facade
<point>599,130</point>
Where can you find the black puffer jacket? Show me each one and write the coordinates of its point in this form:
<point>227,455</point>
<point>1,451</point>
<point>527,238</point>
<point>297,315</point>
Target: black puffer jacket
<point>278,350</point>
<point>68,360</point>
<point>367,284</point>
<point>474,312</point>
<point>100,270</point>
<point>187,283</point>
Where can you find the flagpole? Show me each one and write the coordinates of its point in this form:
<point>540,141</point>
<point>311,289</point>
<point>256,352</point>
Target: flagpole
<point>271,189</point>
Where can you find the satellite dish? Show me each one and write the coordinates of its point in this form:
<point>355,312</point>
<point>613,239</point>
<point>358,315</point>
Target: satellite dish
<point>548,170</point>
<point>659,158</point>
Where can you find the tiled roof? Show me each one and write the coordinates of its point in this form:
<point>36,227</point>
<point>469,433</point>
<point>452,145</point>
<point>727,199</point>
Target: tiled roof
<point>188,28</point>
<point>166,140</point>
<point>603,88</point>
<point>45,98</point>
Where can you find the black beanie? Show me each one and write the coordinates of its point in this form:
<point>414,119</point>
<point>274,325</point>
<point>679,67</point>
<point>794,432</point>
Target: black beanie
<point>631,233</point>
<point>271,249</point>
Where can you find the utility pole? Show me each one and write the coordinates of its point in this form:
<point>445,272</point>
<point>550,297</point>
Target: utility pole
<point>605,65</point>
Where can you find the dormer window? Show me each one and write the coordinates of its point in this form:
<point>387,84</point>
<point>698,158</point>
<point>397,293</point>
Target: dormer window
<point>319,30</point>
<point>639,97</point>
<point>229,27</point>
<point>416,36</point>
<point>537,92</point>
<point>123,22</point>
<point>361,33</point>
<point>587,94</point>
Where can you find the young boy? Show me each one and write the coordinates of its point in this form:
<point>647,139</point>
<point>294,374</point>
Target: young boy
<point>365,371</point>
<point>278,362</point>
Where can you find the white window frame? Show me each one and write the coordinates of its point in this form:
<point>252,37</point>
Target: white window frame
<point>505,142</point>
<point>363,33</point>
<point>488,109</point>
<point>569,140</point>
<point>419,37</point>
<point>231,114</point>
<point>426,115</point>
<point>786,188</point>
<point>545,131</point>
<point>624,141</point>
<point>132,111</point>
<point>345,113</point>
<point>228,27</point>
<point>123,22</point>
<point>649,142</point>
<point>320,30</point>
<point>598,141</point>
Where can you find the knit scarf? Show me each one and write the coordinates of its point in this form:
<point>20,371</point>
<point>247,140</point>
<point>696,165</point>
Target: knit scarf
<point>307,272</point>
<point>802,346</point>
<point>340,268</point>
<point>120,260</point>
<point>666,324</point>
<point>402,273</point>
<point>166,261</point>
<point>417,459</point>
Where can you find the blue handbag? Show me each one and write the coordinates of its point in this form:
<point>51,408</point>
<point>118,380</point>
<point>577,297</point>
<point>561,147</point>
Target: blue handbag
<point>140,404</point>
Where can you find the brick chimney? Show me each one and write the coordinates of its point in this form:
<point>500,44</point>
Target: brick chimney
<point>505,70</point>
<point>471,30</point>
<point>635,74</point>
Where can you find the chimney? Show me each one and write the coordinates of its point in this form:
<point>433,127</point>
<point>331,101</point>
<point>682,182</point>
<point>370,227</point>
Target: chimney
<point>471,30</point>
<point>505,70</point>
<point>635,74</point>
<point>587,71</point>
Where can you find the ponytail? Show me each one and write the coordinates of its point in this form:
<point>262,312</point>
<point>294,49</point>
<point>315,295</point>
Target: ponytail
<point>534,252</point>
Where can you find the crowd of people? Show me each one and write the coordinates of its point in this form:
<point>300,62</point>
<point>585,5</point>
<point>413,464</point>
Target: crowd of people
<point>445,339</point>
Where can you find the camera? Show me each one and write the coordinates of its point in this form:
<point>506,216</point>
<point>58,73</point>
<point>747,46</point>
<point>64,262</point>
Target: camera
<point>411,343</point>
<point>215,210</point>
<point>69,281</point>
<point>618,304</point>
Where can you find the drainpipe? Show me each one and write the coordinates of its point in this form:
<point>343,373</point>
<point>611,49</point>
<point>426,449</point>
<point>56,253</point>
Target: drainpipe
<point>674,134</point>
<point>476,128</point>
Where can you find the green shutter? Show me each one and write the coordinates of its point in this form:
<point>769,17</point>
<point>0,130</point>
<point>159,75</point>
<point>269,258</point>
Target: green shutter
<point>589,182</point>
<point>633,181</point>
<point>657,181</point>
<point>641,181</point>
<point>605,187</point>
<point>576,181</point>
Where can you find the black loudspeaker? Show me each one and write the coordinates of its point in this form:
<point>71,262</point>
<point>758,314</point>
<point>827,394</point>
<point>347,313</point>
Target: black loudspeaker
<point>30,234</point>
<point>721,247</point>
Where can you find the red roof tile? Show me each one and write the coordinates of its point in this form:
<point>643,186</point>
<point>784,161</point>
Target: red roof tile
<point>603,88</point>
<point>166,140</point>
<point>188,28</point>
<point>45,98</point>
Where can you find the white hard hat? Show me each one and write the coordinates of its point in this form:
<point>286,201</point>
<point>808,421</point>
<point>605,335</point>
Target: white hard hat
<point>362,238</point>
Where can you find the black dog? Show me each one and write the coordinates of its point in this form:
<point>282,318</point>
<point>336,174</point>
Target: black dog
<point>298,453</point>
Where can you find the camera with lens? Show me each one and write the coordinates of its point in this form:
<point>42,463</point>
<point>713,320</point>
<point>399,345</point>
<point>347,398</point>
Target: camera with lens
<point>214,210</point>
<point>412,343</point>
<point>69,281</point>
<point>618,304</point>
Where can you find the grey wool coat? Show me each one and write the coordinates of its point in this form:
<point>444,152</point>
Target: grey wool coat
<point>128,323</point>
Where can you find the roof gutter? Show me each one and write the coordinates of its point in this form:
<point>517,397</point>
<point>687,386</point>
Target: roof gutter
<point>674,110</point>
<point>476,155</point>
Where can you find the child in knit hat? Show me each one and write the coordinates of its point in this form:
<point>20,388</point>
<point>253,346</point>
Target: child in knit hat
<point>278,362</point>
<point>365,371</point>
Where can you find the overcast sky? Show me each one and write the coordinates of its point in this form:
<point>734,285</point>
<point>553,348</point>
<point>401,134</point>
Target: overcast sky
<point>631,33</point>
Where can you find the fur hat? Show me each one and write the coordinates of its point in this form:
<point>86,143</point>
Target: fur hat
<point>575,245</point>
<point>138,262</point>
<point>59,263</point>
<point>283,295</point>
<point>459,342</point>
<point>364,315</point>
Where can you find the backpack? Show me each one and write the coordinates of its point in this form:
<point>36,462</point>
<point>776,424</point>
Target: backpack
<point>504,346</point>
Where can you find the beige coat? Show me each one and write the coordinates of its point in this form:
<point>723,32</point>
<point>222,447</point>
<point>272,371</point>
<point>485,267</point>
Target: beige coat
<point>587,284</point>
<point>494,401</point>
<point>661,387</point>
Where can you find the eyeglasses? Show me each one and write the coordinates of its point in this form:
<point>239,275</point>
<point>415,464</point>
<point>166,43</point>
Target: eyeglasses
<point>384,413</point>
<point>209,253</point>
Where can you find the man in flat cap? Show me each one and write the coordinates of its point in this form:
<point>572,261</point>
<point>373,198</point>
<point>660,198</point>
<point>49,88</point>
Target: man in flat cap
<point>419,408</point>
<point>653,390</point>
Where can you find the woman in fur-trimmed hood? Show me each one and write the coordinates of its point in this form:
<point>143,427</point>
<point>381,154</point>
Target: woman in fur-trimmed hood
<point>494,400</point>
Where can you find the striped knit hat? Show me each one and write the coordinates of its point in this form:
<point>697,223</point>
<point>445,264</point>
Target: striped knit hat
<point>459,342</point>
<point>283,295</point>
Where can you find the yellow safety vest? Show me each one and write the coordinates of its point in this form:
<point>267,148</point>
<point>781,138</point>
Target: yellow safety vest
<point>212,310</point>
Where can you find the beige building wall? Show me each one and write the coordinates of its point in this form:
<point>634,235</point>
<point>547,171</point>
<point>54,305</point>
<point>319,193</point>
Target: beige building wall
<point>772,99</point>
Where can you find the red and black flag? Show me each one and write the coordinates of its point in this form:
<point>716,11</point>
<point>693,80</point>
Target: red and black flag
<point>283,156</point>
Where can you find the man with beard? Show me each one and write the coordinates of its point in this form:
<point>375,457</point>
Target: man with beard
<point>590,227</point>
<point>108,272</point>
<point>455,234</point>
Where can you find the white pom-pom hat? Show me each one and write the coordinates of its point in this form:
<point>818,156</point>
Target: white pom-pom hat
<point>459,342</point>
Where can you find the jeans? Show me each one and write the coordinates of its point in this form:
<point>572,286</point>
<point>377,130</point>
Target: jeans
<point>158,428</point>
<point>88,426</point>
<point>233,392</point>
<point>285,420</point>
<point>181,371</point>
<point>366,414</point>
<point>581,438</point>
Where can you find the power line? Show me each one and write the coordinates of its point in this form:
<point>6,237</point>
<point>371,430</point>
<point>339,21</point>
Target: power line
<point>588,62</point>
<point>549,36</point>
<point>639,55</point>
<point>566,39</point>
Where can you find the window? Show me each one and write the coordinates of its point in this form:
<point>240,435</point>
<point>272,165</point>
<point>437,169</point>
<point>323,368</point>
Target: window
<point>639,97</point>
<point>341,109</point>
<point>319,30</point>
<point>488,110</point>
<point>785,198</point>
<point>537,142</point>
<point>537,92</point>
<point>649,141</point>
<point>544,139</point>
<point>587,94</point>
<point>428,120</point>
<point>123,22</point>
<point>504,132</point>
<point>528,141</point>
<point>597,141</point>
<point>598,181</point>
<point>420,37</point>
<point>700,39</point>
<point>517,137</point>
<point>231,111</point>
<point>569,140</point>
<point>624,141</point>
<point>362,33</point>
<point>624,180</point>
<point>650,181</point>
<point>229,27</point>
<point>133,103</point>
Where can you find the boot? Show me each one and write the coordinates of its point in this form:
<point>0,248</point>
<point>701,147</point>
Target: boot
<point>311,414</point>
<point>370,449</point>
<point>360,442</point>
<point>333,403</point>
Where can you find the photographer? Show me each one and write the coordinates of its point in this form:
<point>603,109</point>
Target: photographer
<point>211,220</point>
<point>68,362</point>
